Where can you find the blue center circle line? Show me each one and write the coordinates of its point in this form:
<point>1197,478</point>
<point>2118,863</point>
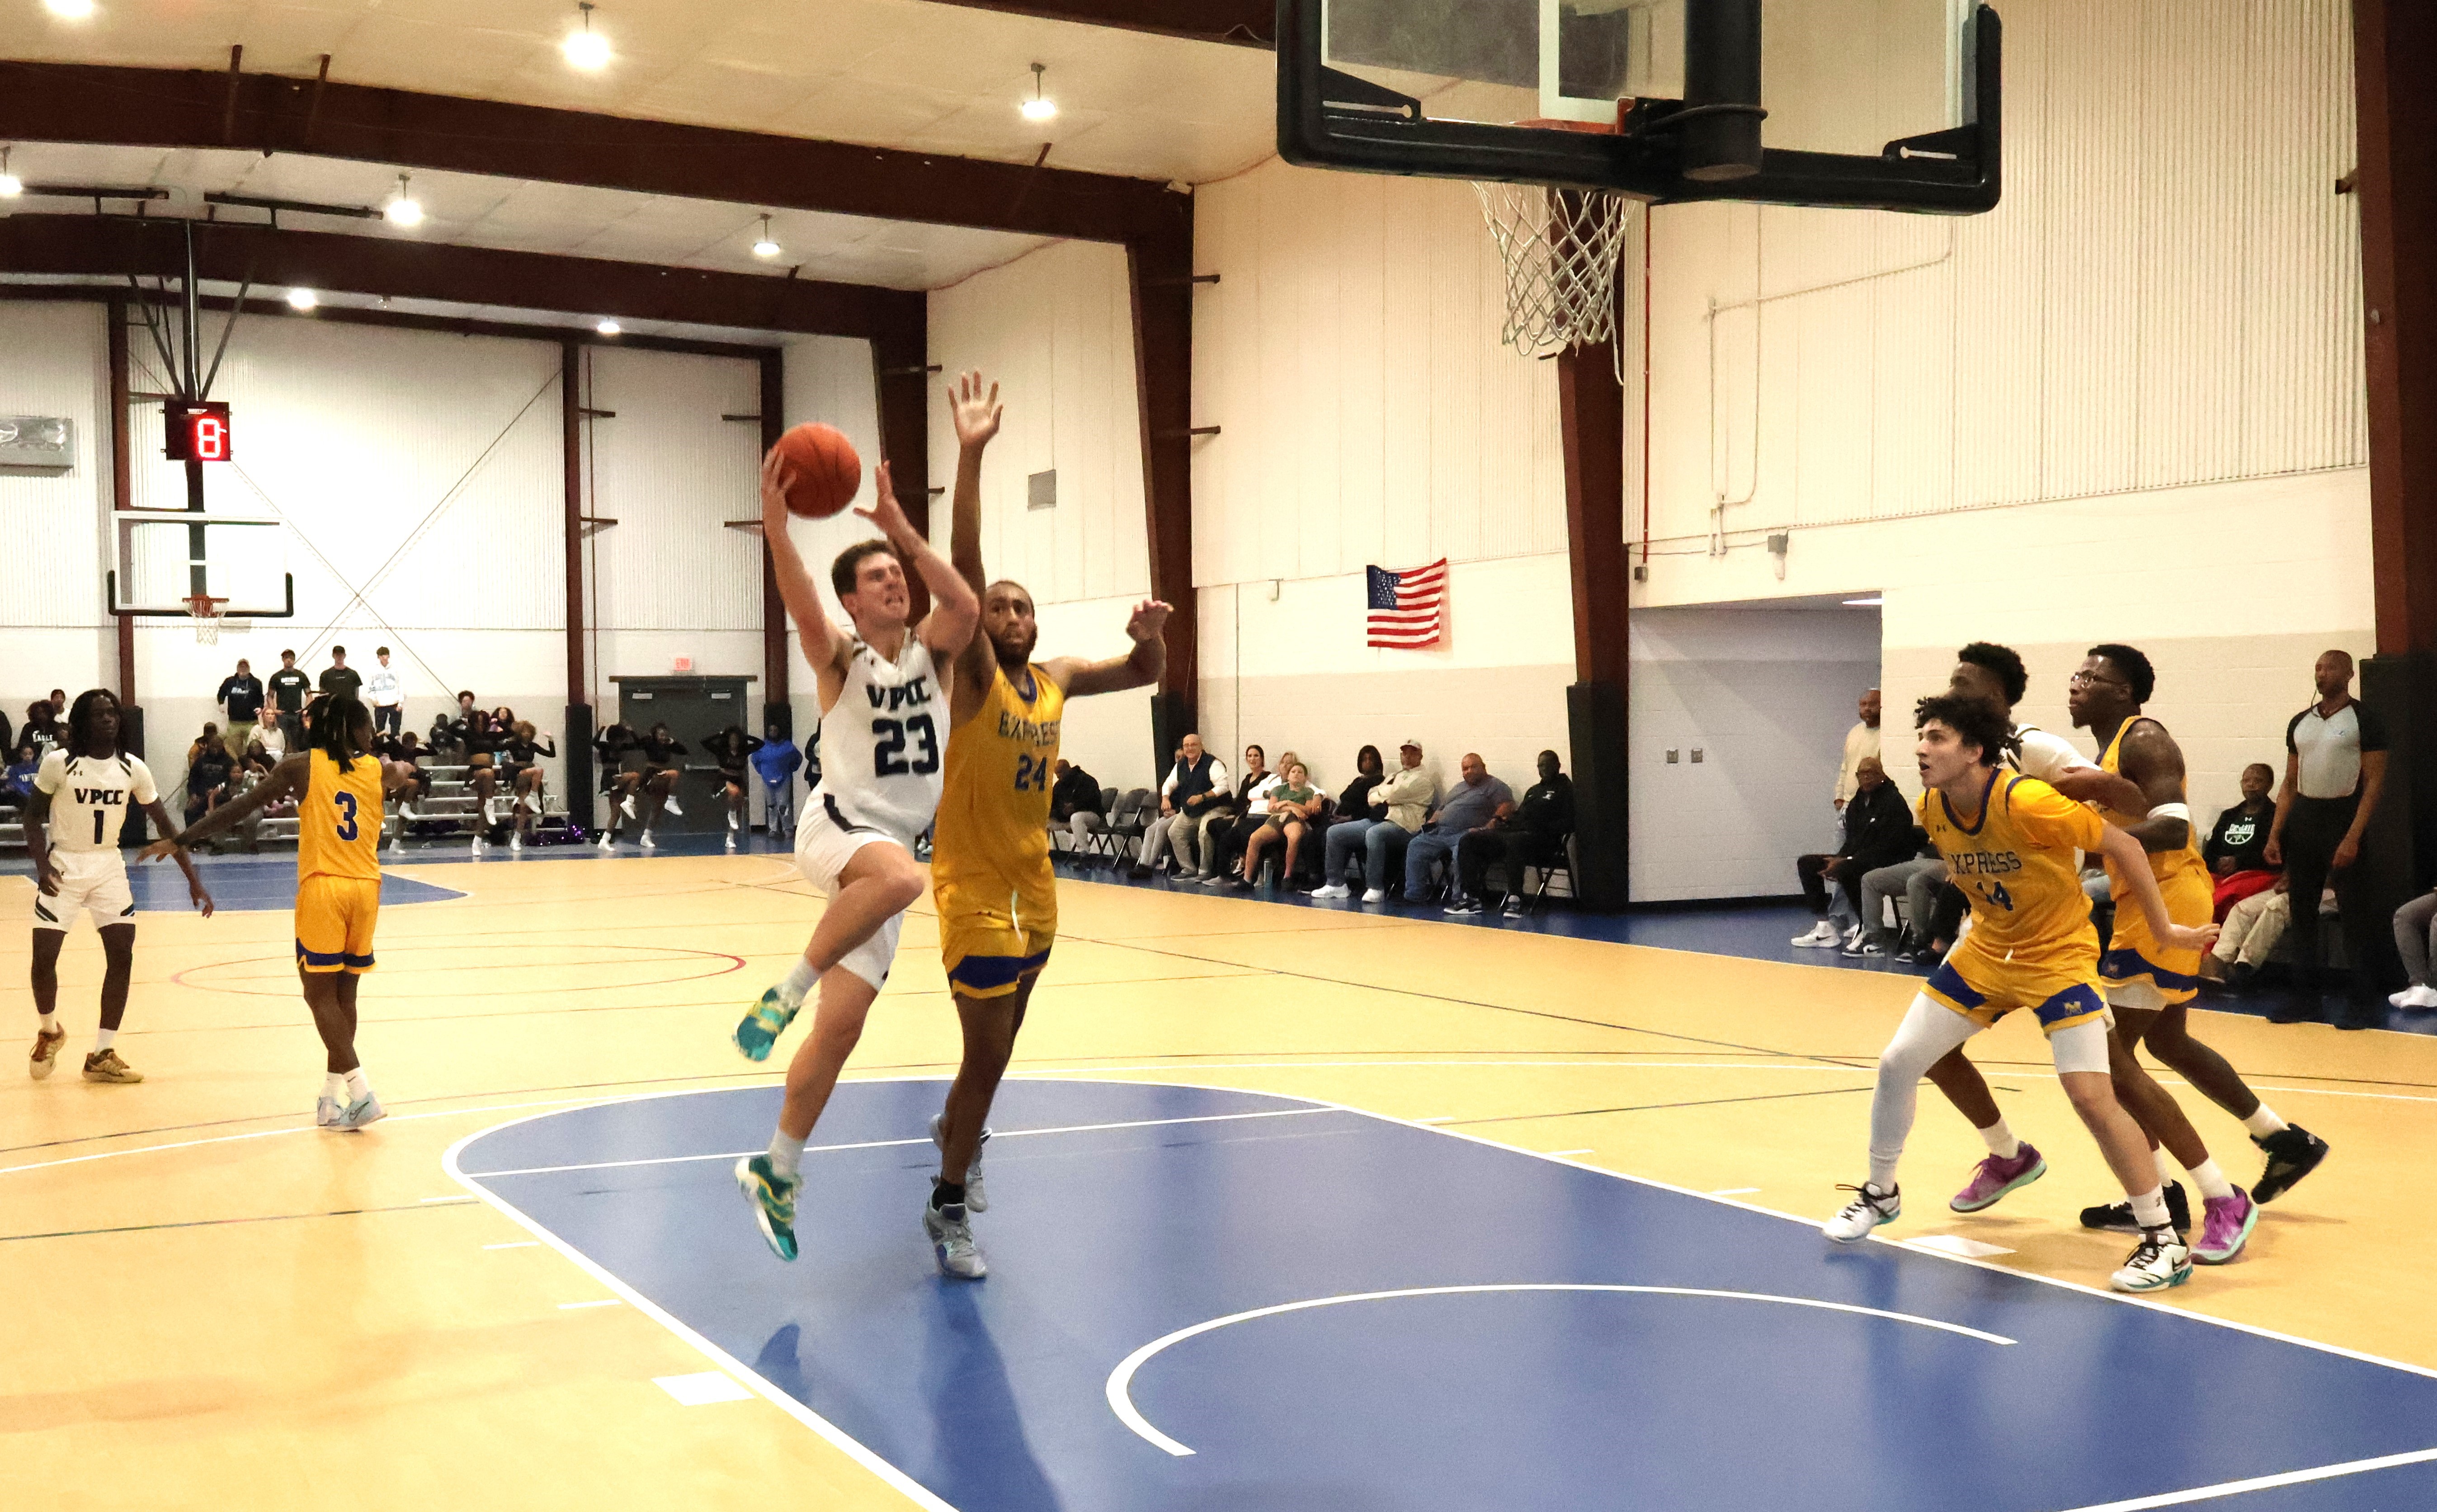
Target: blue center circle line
<point>1120,1385</point>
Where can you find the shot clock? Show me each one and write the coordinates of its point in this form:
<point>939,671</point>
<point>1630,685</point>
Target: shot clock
<point>195,429</point>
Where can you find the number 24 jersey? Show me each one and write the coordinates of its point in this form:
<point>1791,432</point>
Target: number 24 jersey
<point>2018,862</point>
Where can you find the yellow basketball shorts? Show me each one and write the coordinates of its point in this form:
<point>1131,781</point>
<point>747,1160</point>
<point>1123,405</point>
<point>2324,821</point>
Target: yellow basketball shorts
<point>994,932</point>
<point>1983,988</point>
<point>2135,961</point>
<point>333,924</point>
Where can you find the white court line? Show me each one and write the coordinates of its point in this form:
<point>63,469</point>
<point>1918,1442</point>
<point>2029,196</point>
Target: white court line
<point>2262,1482</point>
<point>885,1144</point>
<point>1120,1384</point>
<point>516,1245</point>
<point>1443,1118</point>
<point>1734,1191</point>
<point>1584,1151</point>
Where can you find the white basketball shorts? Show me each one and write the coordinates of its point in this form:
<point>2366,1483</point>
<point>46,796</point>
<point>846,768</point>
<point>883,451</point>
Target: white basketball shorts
<point>93,881</point>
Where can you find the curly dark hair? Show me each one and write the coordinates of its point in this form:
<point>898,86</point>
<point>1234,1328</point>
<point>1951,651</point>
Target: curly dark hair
<point>1974,721</point>
<point>2001,661</point>
<point>2135,667</point>
<point>80,716</point>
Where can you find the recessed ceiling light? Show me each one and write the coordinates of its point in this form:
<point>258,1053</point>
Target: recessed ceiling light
<point>765,247</point>
<point>1040,107</point>
<point>10,185</point>
<point>586,48</point>
<point>303,299</point>
<point>69,10</point>
<point>608,327</point>
<point>404,210</point>
<point>1864,604</point>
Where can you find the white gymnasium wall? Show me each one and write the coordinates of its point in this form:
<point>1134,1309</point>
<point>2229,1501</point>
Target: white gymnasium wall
<point>1055,329</point>
<point>2092,415</point>
<point>1370,416</point>
<point>828,378</point>
<point>1765,695</point>
<point>53,361</point>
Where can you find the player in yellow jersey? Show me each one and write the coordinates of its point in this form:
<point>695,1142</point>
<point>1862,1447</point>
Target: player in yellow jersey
<point>990,876</point>
<point>2151,986</point>
<point>338,792</point>
<point>2011,843</point>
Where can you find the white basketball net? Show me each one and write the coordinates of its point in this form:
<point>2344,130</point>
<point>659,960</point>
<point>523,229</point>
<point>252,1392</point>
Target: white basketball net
<point>1561,247</point>
<point>206,613</point>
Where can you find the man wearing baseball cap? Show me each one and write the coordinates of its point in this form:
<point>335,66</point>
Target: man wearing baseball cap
<point>1398,805</point>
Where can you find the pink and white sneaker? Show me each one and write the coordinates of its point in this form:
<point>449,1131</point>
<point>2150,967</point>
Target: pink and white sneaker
<point>1993,1178</point>
<point>2226,1228</point>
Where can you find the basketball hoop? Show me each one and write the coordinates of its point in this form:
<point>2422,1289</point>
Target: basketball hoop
<point>1561,247</point>
<point>206,612</point>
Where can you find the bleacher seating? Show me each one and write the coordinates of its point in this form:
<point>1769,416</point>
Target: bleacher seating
<point>451,802</point>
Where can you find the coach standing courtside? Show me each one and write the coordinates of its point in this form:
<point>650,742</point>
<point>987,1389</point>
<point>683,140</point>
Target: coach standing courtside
<point>2335,768</point>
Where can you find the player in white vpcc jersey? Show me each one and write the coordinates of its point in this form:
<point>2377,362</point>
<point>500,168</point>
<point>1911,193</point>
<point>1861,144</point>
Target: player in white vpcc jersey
<point>80,803</point>
<point>884,730</point>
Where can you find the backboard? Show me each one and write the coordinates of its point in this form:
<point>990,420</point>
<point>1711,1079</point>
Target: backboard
<point>1891,104</point>
<point>163,558</point>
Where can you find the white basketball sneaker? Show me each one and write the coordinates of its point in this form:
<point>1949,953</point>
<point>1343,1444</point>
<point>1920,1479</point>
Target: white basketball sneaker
<point>975,1198</point>
<point>1868,1210</point>
<point>1334,889</point>
<point>952,1241</point>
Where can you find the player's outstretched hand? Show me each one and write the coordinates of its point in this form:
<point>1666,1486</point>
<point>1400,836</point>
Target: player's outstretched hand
<point>973,412</point>
<point>201,896</point>
<point>1148,621</point>
<point>885,513</point>
<point>2183,937</point>
<point>776,476</point>
<point>159,850</point>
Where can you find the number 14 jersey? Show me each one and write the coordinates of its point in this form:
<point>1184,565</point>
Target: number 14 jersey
<point>2016,861</point>
<point>880,743</point>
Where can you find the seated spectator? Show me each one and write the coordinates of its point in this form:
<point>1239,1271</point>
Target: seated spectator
<point>42,725</point>
<point>1398,805</point>
<point>1195,786</point>
<point>1921,879</point>
<point>1878,832</point>
<point>1477,802</point>
<point>1532,835</point>
<point>617,754</point>
<point>269,745</point>
<point>1368,769</point>
<point>1224,833</point>
<point>519,768</point>
<point>7,740</point>
<point>1293,806</point>
<point>17,786</point>
<point>732,750</point>
<point>209,772</point>
<point>2236,852</point>
<point>776,763</point>
<point>2415,935</point>
<point>2254,926</point>
<point>1076,807</point>
<point>408,752</point>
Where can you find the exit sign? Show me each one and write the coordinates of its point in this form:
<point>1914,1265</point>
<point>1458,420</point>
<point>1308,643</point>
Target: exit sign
<point>197,430</point>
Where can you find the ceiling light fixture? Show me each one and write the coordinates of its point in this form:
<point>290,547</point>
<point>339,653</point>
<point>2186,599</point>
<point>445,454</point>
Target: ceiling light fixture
<point>608,327</point>
<point>1040,107</point>
<point>404,210</point>
<point>10,185</point>
<point>69,10</point>
<point>586,48</point>
<point>301,299</point>
<point>765,247</point>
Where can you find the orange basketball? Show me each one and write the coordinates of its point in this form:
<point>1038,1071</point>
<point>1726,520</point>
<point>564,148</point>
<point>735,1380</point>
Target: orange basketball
<point>826,470</point>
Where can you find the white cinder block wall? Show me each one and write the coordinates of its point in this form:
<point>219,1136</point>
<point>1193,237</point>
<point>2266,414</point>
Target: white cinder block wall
<point>51,633</point>
<point>2126,405</point>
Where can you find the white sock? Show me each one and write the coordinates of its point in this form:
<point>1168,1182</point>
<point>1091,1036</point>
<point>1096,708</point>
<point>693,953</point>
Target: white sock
<point>359,1087</point>
<point>2165,1164</point>
<point>2264,1122</point>
<point>785,1154</point>
<point>102,1040</point>
<point>50,1023</point>
<point>798,983</point>
<point>2213,1185</point>
<point>2150,1207</point>
<point>334,1087</point>
<point>2001,1141</point>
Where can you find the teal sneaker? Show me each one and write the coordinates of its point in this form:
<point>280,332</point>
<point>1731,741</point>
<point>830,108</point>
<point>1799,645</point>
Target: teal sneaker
<point>774,1202</point>
<point>761,1028</point>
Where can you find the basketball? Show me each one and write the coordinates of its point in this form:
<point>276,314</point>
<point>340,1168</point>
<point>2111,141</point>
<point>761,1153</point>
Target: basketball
<point>826,471</point>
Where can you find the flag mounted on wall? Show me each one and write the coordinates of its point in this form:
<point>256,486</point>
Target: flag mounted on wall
<point>1408,608</point>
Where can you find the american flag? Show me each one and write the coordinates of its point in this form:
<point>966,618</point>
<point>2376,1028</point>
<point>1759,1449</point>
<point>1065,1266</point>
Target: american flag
<point>1405,606</point>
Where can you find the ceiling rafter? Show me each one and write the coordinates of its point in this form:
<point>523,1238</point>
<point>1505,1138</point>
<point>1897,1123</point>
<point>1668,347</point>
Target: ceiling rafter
<point>331,262</point>
<point>192,108</point>
<point>1238,23</point>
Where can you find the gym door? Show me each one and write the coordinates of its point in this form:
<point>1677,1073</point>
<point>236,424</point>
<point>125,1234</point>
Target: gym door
<point>695,710</point>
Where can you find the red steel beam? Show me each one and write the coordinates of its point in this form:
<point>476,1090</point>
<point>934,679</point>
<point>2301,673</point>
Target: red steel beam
<point>1241,23</point>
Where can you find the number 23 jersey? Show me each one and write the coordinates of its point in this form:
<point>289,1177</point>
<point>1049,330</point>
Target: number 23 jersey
<point>880,743</point>
<point>2017,861</point>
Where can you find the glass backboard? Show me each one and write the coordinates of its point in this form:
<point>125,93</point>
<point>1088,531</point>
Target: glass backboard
<point>165,555</point>
<point>1868,103</point>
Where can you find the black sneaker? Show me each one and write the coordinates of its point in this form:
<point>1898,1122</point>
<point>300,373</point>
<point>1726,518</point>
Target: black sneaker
<point>2293,1152</point>
<point>1463,908</point>
<point>2297,1007</point>
<point>2117,1218</point>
